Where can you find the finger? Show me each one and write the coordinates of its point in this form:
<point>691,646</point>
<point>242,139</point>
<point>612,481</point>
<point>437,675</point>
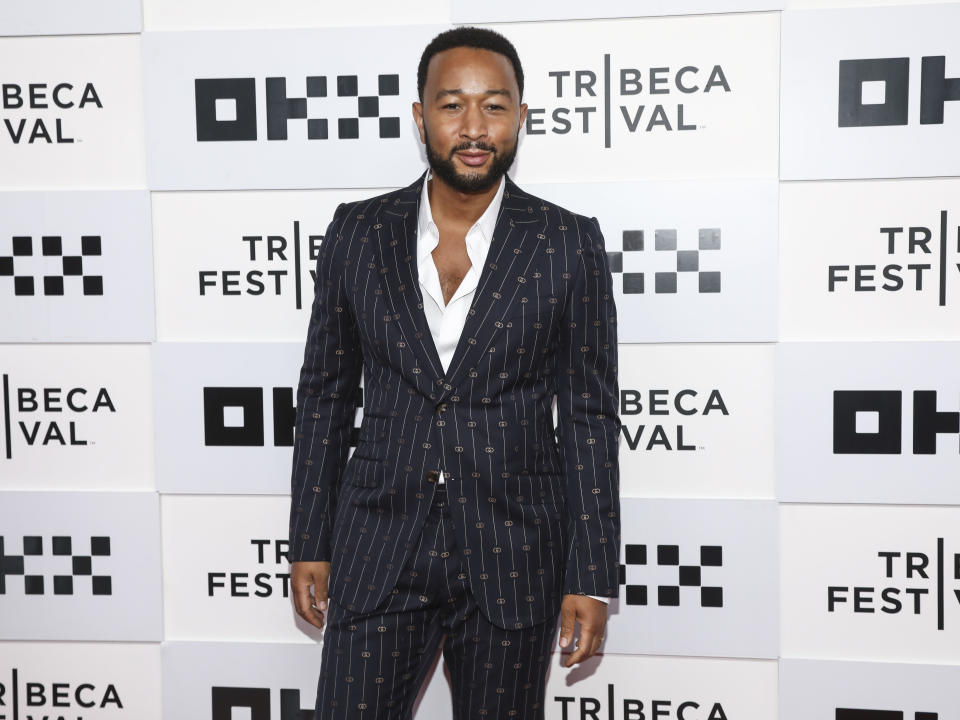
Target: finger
<point>585,644</point>
<point>567,616</point>
<point>304,603</point>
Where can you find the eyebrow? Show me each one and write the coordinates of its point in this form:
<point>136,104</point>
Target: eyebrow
<point>459,91</point>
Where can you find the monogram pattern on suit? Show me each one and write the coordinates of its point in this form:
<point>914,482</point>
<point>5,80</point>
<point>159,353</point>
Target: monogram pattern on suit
<point>536,513</point>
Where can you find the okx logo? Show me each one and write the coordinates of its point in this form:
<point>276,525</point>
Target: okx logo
<point>910,259</point>
<point>669,263</point>
<point>59,560</point>
<point>876,91</point>
<point>44,268</point>
<point>255,704</point>
<point>870,422</point>
<point>590,101</point>
<point>913,582</point>
<point>226,108</point>
<point>49,416</point>
<point>273,268</point>
<point>672,580</point>
<point>235,417</point>
<point>855,714</point>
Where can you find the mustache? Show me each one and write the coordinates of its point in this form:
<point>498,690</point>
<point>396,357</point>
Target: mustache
<point>479,145</point>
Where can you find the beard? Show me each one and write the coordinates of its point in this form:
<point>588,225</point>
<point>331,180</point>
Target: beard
<point>475,181</point>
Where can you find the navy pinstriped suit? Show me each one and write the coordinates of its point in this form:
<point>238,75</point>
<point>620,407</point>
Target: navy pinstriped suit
<point>532,518</point>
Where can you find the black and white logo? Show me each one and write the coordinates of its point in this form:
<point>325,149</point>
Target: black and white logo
<point>667,434</point>
<point>226,108</point>
<point>274,267</point>
<point>235,417</point>
<point>29,699</point>
<point>273,578</point>
<point>40,266</point>
<point>859,714</point>
<point>913,583</point>
<point>876,91</point>
<point>256,703</point>
<point>681,583</point>
<point>57,565</point>
<point>51,415</point>
<point>675,263</point>
<point>612,707</point>
<point>911,264</point>
<point>24,127</point>
<point>870,422</point>
<point>589,101</point>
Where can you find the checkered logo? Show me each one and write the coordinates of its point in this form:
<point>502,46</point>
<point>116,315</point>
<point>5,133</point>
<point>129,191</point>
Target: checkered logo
<point>689,576</point>
<point>27,563</point>
<point>677,261</point>
<point>226,108</point>
<point>50,271</point>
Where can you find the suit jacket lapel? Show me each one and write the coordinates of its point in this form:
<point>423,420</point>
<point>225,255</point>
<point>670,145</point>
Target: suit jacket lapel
<point>508,257</point>
<point>511,242</point>
<point>403,278</point>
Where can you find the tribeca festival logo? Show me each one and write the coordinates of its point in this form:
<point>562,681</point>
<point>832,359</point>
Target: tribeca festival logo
<point>670,583</point>
<point>661,434</point>
<point>256,704</point>
<point>857,714</point>
<point>226,108</point>
<point>274,580</point>
<point>914,583</point>
<point>585,99</point>
<point>49,416</point>
<point>44,269</point>
<point>672,263</point>
<point>23,127</point>
<point>876,91</point>
<point>870,422</point>
<point>274,260</point>
<point>32,700</point>
<point>909,263</point>
<point>591,708</point>
<point>235,417</point>
<point>62,563</point>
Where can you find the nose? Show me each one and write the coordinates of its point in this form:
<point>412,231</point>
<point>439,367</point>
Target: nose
<point>474,122</point>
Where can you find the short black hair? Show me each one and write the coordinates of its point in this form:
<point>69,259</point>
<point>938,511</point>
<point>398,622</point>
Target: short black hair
<point>474,37</point>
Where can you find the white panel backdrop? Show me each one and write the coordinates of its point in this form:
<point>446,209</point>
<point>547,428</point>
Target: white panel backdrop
<point>777,183</point>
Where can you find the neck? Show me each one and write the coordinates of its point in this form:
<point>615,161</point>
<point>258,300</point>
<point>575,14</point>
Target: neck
<point>456,207</point>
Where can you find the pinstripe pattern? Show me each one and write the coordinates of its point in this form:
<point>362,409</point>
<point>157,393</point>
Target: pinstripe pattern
<point>534,518</point>
<point>374,663</point>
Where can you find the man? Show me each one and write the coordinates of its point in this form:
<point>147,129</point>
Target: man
<point>468,305</point>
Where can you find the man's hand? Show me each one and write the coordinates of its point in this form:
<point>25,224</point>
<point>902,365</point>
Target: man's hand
<point>311,607</point>
<point>592,616</point>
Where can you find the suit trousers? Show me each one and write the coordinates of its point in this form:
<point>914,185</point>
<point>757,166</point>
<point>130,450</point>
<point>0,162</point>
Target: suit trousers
<point>374,664</point>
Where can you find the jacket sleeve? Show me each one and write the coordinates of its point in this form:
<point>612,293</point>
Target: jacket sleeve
<point>326,402</point>
<point>588,405</point>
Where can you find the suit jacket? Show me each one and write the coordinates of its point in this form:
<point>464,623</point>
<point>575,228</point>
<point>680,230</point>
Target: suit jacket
<point>536,512</point>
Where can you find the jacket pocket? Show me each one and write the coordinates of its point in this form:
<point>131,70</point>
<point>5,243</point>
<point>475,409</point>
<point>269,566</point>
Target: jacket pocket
<point>364,471</point>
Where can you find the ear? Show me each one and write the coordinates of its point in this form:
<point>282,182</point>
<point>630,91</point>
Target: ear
<point>418,119</point>
<point>523,115</point>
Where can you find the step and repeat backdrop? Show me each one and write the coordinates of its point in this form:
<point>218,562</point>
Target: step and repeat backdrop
<point>778,183</point>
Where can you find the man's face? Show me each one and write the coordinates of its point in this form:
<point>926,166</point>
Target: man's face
<point>470,117</point>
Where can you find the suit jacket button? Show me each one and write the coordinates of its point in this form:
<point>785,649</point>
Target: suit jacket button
<point>432,476</point>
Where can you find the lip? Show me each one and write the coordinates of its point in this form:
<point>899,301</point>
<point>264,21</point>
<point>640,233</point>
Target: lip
<point>473,158</point>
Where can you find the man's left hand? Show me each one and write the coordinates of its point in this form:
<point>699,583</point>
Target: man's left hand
<point>592,616</point>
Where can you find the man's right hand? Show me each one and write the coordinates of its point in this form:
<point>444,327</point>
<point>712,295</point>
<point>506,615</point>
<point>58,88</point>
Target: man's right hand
<point>310,606</point>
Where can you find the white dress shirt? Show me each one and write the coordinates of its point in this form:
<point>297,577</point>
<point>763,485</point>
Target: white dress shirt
<point>446,321</point>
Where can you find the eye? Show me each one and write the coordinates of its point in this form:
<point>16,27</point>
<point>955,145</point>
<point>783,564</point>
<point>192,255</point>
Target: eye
<point>451,105</point>
<point>495,107</point>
